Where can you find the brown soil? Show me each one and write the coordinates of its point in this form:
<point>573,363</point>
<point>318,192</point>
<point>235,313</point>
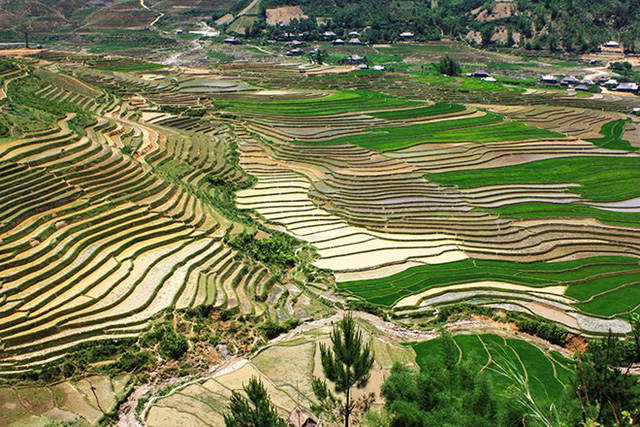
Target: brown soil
<point>20,52</point>
<point>501,9</point>
<point>577,344</point>
<point>284,14</point>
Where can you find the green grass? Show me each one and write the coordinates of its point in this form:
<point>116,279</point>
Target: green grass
<point>414,113</point>
<point>482,86</point>
<point>337,103</point>
<point>600,178</point>
<point>612,138</point>
<point>567,210</point>
<point>435,80</point>
<point>545,385</point>
<point>387,291</point>
<point>618,301</point>
<point>487,128</point>
<point>131,67</point>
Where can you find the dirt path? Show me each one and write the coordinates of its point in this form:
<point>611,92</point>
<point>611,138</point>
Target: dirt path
<point>246,9</point>
<point>173,59</point>
<point>159,17</point>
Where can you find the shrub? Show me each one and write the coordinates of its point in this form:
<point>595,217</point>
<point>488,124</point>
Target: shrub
<point>173,344</point>
<point>271,329</point>
<point>545,330</point>
<point>448,66</point>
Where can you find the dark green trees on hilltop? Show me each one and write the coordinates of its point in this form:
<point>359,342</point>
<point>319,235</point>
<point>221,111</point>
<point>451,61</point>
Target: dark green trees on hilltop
<point>571,25</point>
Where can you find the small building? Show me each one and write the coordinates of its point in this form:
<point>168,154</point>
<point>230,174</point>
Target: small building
<point>300,417</point>
<point>583,88</point>
<point>602,79</point>
<point>338,41</point>
<point>355,41</point>
<point>354,58</point>
<point>636,111</point>
<point>329,35</point>
<point>294,43</point>
<point>407,35</point>
<point>587,82</point>
<point>480,74</point>
<point>569,81</point>
<point>354,34</point>
<point>627,87</point>
<point>231,40</point>
<point>612,44</point>
<point>489,79</point>
<point>378,68</point>
<point>179,31</point>
<point>302,69</point>
<point>294,52</point>
<point>548,79</point>
<point>362,66</point>
<point>611,83</point>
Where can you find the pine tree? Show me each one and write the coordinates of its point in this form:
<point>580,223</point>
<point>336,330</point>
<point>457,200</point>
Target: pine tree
<point>255,410</point>
<point>349,362</point>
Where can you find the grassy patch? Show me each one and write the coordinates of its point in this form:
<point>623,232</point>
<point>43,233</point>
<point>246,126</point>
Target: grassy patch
<point>545,385</point>
<point>414,113</point>
<point>600,178</point>
<point>386,291</point>
<point>612,138</point>
<point>337,103</point>
<point>488,128</point>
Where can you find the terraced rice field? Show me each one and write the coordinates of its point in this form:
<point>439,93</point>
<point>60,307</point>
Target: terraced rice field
<point>390,194</point>
<point>286,368</point>
<point>547,373</point>
<point>413,197</point>
<point>106,226</point>
<point>89,399</point>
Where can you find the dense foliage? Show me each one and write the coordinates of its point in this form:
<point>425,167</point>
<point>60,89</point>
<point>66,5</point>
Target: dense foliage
<point>254,410</point>
<point>575,25</point>
<point>277,251</point>
<point>447,393</point>
<point>543,329</point>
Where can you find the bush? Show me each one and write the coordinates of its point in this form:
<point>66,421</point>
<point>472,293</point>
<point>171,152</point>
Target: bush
<point>132,361</point>
<point>271,329</point>
<point>277,251</point>
<point>173,344</point>
<point>448,66</point>
<point>545,330</point>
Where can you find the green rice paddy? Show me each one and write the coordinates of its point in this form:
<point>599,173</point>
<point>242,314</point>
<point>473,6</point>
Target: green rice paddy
<point>548,374</point>
<point>487,128</point>
<point>600,178</point>
<point>337,103</point>
<point>584,275</point>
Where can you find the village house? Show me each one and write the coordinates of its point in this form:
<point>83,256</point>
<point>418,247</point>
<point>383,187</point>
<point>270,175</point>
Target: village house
<point>627,87</point>
<point>548,79</point>
<point>406,35</point>
<point>355,41</point>
<point>569,81</point>
<point>480,74</point>
<point>300,417</point>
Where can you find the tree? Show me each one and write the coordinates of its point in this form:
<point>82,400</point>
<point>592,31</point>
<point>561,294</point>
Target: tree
<point>448,66</point>
<point>348,363</point>
<point>255,410</point>
<point>604,387</point>
<point>25,27</point>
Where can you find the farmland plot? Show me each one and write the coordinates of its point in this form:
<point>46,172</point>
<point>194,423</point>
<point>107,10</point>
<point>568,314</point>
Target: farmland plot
<point>426,187</point>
